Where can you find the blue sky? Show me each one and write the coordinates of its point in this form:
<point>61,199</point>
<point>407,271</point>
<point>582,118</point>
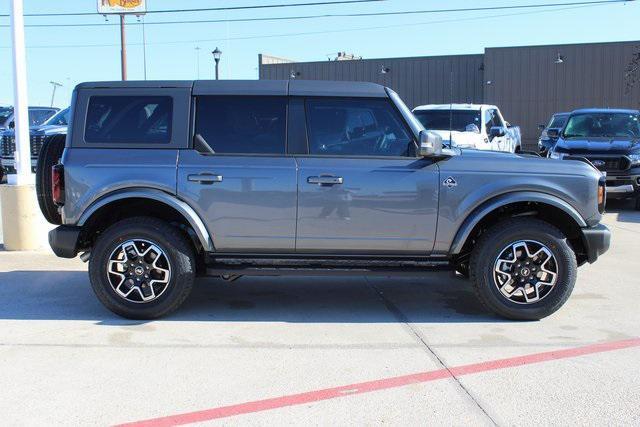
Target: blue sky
<point>62,54</point>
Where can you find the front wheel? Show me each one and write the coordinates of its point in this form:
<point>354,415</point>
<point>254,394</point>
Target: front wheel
<point>523,269</point>
<point>142,268</point>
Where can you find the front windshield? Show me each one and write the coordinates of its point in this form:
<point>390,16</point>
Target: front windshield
<point>59,119</point>
<point>456,120</point>
<point>38,116</point>
<point>602,125</point>
<point>5,113</point>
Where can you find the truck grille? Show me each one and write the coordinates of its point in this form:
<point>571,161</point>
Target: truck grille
<point>8,145</point>
<point>609,164</point>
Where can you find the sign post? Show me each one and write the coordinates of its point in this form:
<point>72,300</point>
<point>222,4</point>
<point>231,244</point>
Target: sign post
<point>122,8</point>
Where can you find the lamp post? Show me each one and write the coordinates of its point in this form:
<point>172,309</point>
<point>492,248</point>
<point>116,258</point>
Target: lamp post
<point>216,57</point>
<point>55,86</point>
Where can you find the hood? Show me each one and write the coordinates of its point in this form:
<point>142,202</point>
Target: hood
<point>41,130</point>
<point>597,145</point>
<point>459,139</point>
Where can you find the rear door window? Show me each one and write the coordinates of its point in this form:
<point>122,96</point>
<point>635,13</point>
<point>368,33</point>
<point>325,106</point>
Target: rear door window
<point>243,124</point>
<point>129,119</point>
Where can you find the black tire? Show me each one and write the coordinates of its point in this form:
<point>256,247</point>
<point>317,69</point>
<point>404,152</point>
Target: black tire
<point>638,203</point>
<point>492,243</point>
<point>49,155</point>
<point>170,240</point>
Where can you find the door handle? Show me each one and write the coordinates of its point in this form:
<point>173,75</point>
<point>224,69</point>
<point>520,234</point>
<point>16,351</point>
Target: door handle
<point>205,178</point>
<point>325,180</point>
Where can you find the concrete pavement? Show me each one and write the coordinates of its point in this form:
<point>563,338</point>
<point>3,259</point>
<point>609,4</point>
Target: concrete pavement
<point>64,359</point>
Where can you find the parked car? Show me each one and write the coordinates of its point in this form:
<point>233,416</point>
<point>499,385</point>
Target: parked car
<point>37,116</point>
<point>470,126</point>
<point>610,139</point>
<point>161,181</point>
<point>55,125</point>
<point>545,142</point>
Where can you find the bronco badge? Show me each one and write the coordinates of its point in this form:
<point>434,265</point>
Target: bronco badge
<point>449,182</point>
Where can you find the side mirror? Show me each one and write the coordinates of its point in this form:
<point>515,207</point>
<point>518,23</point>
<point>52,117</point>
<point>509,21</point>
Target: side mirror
<point>541,127</point>
<point>12,125</point>
<point>553,133</point>
<point>496,131</point>
<point>430,144</point>
<point>507,124</point>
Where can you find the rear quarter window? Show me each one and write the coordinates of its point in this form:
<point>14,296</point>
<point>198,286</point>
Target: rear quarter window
<point>129,119</point>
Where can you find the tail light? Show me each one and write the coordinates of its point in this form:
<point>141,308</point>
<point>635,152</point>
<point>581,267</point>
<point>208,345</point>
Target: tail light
<point>57,184</point>
<point>602,194</point>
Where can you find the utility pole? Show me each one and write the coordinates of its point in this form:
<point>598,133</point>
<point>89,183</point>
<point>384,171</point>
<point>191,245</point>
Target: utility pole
<point>198,62</point>
<point>20,108</point>
<point>123,48</point>
<point>55,86</point>
<point>144,48</point>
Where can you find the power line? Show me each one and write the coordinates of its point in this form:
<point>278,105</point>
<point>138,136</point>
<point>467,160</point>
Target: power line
<point>344,30</point>
<point>348,15</point>
<point>211,9</point>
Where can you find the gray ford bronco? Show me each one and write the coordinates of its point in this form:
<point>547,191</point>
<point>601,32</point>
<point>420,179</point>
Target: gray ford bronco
<point>159,182</point>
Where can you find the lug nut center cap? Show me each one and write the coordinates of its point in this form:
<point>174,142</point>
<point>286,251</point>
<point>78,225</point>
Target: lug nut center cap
<point>139,271</point>
<point>524,272</point>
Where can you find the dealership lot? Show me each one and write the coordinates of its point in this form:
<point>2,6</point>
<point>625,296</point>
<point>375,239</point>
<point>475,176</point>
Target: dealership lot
<point>66,360</point>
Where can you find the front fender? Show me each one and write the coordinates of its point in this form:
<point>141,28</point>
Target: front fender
<point>505,199</point>
<point>152,194</point>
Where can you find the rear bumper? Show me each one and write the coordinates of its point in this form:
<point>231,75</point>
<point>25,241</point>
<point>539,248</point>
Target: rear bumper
<point>64,241</point>
<point>596,241</point>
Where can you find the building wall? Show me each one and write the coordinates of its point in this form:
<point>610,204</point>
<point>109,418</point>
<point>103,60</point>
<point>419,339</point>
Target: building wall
<point>421,80</point>
<point>525,82</point>
<point>529,86</point>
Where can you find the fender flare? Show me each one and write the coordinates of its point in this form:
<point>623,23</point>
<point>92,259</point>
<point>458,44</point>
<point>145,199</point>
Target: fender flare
<point>505,199</point>
<point>159,196</point>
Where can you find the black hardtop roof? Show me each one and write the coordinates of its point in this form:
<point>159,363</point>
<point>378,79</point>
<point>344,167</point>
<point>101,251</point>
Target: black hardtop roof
<point>253,87</point>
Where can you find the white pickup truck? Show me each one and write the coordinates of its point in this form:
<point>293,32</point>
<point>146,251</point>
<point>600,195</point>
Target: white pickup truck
<point>477,126</point>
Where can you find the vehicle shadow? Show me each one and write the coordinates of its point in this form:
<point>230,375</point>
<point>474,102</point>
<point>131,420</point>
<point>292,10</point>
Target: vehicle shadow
<point>624,210</point>
<point>67,295</point>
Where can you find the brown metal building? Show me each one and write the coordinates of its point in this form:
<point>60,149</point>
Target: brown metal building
<point>528,83</point>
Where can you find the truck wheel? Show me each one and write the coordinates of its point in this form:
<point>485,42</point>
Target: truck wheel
<point>50,154</point>
<point>638,203</point>
<point>523,269</point>
<point>142,268</point>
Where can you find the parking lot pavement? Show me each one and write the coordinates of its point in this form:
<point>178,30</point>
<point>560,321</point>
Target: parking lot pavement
<point>271,351</point>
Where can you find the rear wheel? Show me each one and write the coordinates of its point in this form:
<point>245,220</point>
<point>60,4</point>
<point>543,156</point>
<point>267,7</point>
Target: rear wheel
<point>523,269</point>
<point>638,203</point>
<point>50,155</point>
<point>142,268</point>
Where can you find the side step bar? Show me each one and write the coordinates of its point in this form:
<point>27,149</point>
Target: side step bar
<point>223,266</point>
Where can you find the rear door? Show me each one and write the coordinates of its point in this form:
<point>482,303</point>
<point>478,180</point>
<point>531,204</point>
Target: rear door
<point>244,189</point>
<point>362,190</point>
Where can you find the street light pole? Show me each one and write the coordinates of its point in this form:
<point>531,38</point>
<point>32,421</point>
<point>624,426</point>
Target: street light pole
<point>55,86</point>
<point>123,49</point>
<point>217,53</point>
<point>20,107</point>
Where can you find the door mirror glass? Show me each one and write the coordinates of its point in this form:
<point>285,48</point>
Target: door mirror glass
<point>496,131</point>
<point>430,144</point>
<point>541,127</point>
<point>472,127</point>
<point>553,133</point>
<point>12,125</point>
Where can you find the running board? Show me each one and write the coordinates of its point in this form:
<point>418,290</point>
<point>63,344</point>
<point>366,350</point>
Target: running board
<point>223,266</point>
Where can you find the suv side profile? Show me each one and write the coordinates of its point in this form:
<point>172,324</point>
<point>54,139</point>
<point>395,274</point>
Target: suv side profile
<point>158,182</point>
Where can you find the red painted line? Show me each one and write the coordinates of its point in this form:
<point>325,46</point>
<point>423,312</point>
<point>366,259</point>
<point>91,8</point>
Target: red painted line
<point>386,383</point>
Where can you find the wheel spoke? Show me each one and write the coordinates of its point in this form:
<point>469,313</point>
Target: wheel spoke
<point>139,271</point>
<point>525,271</point>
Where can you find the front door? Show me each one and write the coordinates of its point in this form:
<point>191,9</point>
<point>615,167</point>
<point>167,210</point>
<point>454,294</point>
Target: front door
<point>361,188</point>
<point>245,187</point>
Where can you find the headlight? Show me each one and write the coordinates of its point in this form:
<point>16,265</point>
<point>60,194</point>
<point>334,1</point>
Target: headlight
<point>635,159</point>
<point>556,155</point>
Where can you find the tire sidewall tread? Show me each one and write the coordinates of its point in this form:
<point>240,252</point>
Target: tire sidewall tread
<point>493,241</point>
<point>175,245</point>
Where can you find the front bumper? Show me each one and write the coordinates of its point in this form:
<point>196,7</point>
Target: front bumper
<point>64,240</point>
<point>623,186</point>
<point>596,241</point>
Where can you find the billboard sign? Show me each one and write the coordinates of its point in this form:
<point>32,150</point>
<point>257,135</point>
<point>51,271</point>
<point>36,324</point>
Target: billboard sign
<point>107,7</point>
